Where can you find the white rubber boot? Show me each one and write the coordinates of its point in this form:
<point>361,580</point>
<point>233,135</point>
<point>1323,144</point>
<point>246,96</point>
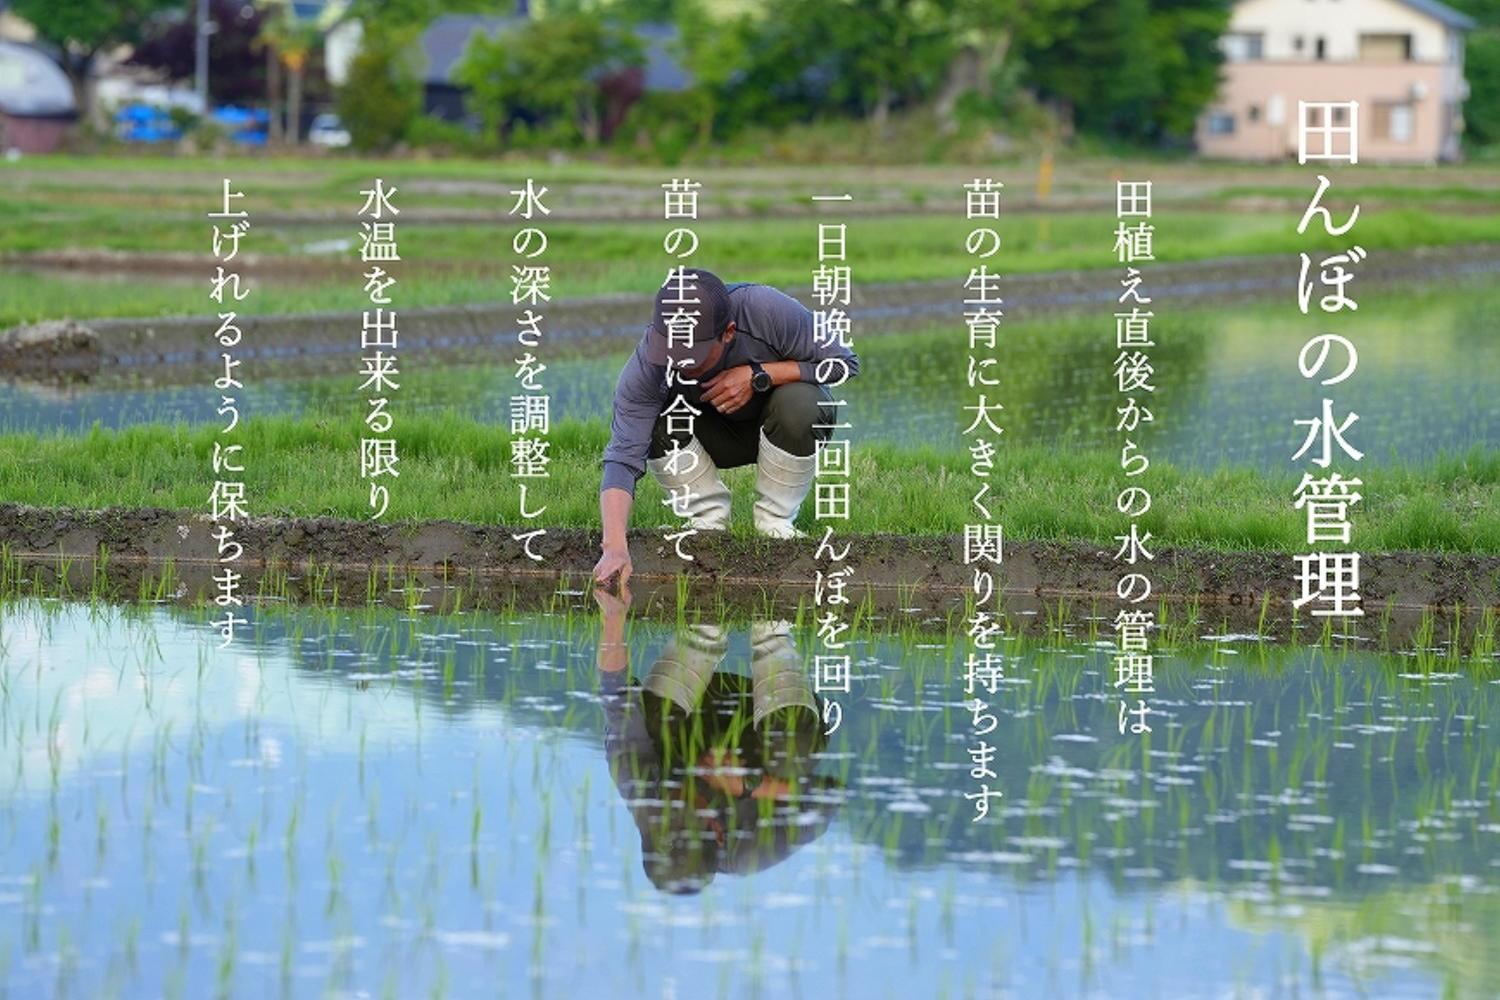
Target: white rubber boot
<point>778,680</point>
<point>686,664</point>
<point>708,497</point>
<point>781,482</point>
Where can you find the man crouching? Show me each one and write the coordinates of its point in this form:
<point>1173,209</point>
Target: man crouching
<point>750,378</point>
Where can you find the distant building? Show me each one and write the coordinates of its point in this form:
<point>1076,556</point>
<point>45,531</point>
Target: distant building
<point>13,29</point>
<point>36,100</point>
<point>1402,60</point>
<point>340,46</point>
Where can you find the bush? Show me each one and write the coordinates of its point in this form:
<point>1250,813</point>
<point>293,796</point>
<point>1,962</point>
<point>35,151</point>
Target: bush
<point>440,135</point>
<point>546,76</point>
<point>667,124</point>
<point>382,97</point>
<point>1482,67</point>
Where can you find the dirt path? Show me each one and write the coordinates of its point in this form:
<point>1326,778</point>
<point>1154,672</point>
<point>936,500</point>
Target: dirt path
<point>902,575</point>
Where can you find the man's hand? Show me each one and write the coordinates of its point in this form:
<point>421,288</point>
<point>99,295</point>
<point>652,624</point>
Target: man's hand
<point>612,604</point>
<point>614,562</point>
<point>729,390</point>
<point>614,514</point>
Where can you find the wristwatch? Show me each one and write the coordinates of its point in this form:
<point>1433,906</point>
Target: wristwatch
<point>760,381</point>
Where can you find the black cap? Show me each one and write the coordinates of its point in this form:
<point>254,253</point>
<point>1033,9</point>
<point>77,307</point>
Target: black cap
<point>674,317</point>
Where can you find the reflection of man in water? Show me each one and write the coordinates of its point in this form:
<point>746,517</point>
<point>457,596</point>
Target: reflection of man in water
<point>715,766</point>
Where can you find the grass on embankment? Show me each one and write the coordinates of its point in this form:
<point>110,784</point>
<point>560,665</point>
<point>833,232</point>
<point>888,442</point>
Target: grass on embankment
<point>597,259</point>
<point>453,467</point>
<point>298,203</point>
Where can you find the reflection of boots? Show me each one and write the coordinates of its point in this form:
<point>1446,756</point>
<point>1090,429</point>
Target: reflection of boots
<point>682,672</point>
<point>778,680</point>
<point>707,505</point>
<point>781,481</point>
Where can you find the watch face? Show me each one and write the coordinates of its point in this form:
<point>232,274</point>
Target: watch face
<point>760,381</point>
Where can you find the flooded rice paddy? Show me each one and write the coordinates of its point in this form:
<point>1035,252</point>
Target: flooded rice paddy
<point>1227,391</point>
<point>372,802</point>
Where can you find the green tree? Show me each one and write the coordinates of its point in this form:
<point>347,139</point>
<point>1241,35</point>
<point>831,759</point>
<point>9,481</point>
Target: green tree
<point>712,51</point>
<point>1185,37</point>
<point>383,94</point>
<point>989,39</point>
<point>850,57</point>
<point>1482,69</point>
<point>545,75</point>
<point>629,11</point>
<point>1485,12</point>
<point>82,29</point>
<point>1132,69</point>
<point>291,39</point>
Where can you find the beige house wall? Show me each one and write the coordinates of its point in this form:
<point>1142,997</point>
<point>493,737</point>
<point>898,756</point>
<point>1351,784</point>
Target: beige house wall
<point>1274,88</point>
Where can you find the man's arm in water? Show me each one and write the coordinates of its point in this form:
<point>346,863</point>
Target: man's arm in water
<point>614,514</point>
<point>612,650</point>
<point>639,394</point>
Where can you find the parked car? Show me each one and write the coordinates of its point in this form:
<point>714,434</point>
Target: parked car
<point>328,130</point>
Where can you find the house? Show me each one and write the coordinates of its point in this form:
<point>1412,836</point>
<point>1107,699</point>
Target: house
<point>36,100</point>
<point>13,29</point>
<point>447,38</point>
<point>1402,60</point>
<point>443,46</point>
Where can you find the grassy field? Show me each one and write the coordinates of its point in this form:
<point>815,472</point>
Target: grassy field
<point>455,468</point>
<point>605,236</point>
<point>755,222</point>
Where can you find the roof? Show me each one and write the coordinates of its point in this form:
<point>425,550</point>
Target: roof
<point>1441,12</point>
<point>447,37</point>
<point>31,84</point>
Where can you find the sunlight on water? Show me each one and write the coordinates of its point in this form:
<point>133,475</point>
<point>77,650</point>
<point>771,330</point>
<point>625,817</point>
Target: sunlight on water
<point>364,802</point>
<point>1227,386</point>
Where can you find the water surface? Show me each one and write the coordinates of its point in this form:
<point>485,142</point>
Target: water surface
<point>1227,385</point>
<point>370,802</point>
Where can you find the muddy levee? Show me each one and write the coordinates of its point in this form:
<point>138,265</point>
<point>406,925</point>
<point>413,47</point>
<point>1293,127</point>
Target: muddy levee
<point>120,552</point>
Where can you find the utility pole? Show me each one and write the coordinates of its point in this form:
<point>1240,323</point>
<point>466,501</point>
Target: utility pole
<point>200,55</point>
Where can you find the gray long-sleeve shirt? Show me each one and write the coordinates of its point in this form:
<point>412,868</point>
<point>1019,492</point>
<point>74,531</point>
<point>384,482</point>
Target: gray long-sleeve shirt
<point>770,325</point>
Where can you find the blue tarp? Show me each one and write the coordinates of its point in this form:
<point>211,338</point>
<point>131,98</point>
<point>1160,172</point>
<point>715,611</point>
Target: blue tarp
<point>148,123</point>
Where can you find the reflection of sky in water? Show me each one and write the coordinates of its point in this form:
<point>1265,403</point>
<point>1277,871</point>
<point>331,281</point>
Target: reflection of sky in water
<point>1298,806</point>
<point>1228,387</point>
